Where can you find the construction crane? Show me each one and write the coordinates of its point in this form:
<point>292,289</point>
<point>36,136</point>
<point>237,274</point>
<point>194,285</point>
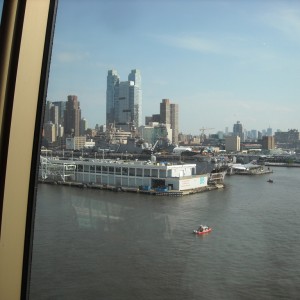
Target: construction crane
<point>202,135</point>
<point>153,147</point>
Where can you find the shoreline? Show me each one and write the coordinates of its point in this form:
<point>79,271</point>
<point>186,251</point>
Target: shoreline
<point>174,193</point>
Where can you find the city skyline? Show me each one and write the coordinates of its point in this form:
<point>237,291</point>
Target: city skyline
<point>56,113</point>
<point>221,61</point>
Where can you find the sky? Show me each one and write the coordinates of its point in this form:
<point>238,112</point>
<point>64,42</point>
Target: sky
<point>220,61</point>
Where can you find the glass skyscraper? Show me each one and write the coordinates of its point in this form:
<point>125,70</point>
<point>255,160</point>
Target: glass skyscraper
<point>112,81</point>
<point>124,100</point>
<point>136,97</point>
<point>238,130</point>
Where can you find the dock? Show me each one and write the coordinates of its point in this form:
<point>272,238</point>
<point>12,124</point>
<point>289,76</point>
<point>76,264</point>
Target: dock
<point>154,192</point>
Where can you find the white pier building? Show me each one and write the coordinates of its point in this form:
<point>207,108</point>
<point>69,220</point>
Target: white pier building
<point>126,173</point>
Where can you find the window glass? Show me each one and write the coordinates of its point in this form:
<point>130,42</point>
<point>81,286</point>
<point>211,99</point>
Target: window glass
<point>193,69</point>
<point>118,171</point>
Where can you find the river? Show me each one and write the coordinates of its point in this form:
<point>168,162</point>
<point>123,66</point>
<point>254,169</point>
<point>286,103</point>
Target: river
<point>93,244</point>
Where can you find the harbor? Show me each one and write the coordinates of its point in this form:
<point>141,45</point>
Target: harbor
<point>140,190</point>
<point>134,237</point>
<point>147,176</point>
<point>159,175</point>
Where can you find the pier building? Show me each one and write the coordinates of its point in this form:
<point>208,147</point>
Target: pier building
<point>146,175</point>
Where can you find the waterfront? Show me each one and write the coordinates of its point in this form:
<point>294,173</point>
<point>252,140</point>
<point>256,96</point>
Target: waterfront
<point>92,244</point>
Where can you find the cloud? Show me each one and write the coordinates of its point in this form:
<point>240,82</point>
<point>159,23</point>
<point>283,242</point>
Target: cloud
<point>190,43</point>
<point>285,20</point>
<point>246,49</point>
<point>70,57</point>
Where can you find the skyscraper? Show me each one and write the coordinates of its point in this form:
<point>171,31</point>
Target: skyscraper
<point>238,130</point>
<point>136,97</point>
<point>54,115</point>
<point>135,76</point>
<point>72,116</point>
<point>174,122</point>
<point>124,100</point>
<point>47,116</point>
<point>165,111</point>
<point>61,110</point>
<point>169,115</point>
<point>112,81</point>
<point>83,126</point>
<point>122,103</point>
<point>50,132</point>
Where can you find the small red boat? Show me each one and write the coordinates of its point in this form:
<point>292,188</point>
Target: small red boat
<point>202,229</point>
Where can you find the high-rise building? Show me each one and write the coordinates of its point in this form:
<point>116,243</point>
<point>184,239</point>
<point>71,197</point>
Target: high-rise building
<point>268,142</point>
<point>60,131</point>
<point>291,138</point>
<point>47,115</point>
<point>83,126</point>
<point>135,76</point>
<point>72,116</point>
<point>232,143</point>
<point>123,112</point>
<point>124,100</point>
<point>174,122</point>
<point>254,134</point>
<point>169,115</point>
<point>238,130</point>
<point>153,118</point>
<point>259,135</point>
<point>136,97</point>
<point>165,111</point>
<point>112,81</point>
<point>50,132</point>
<point>61,110</point>
<point>54,115</point>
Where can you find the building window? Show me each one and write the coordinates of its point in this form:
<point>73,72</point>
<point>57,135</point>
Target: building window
<point>118,170</point>
<point>147,172</point>
<point>125,171</point>
<point>139,172</point>
<point>131,171</point>
<point>154,172</point>
<point>162,173</point>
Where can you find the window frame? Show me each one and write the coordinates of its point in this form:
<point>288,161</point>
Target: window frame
<point>26,34</point>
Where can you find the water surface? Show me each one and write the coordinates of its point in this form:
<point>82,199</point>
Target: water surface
<point>92,244</point>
